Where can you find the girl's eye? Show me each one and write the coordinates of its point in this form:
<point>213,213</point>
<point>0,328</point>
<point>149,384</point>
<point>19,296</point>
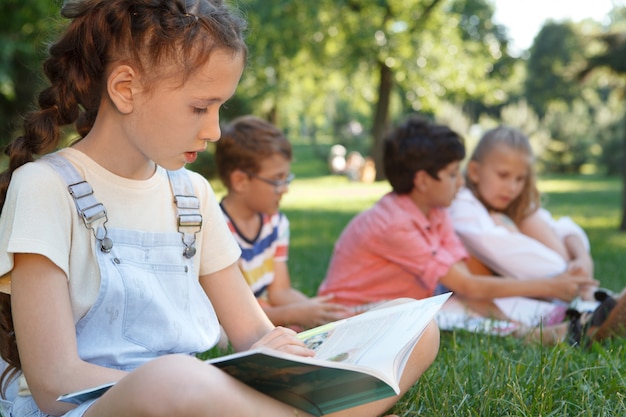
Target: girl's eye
<point>198,110</point>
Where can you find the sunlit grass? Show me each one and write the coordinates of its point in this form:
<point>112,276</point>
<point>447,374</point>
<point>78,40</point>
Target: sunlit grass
<point>563,184</point>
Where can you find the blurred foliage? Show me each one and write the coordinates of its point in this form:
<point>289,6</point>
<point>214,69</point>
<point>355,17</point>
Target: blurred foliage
<point>556,49</point>
<point>25,27</point>
<point>342,71</point>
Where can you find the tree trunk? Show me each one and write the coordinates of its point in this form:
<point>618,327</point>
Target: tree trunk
<point>622,226</point>
<point>381,117</point>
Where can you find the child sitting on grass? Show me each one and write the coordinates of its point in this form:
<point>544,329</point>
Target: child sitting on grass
<point>253,159</point>
<point>405,245</point>
<point>499,217</point>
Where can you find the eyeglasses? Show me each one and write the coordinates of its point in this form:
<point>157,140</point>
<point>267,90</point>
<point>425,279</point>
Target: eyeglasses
<point>278,184</point>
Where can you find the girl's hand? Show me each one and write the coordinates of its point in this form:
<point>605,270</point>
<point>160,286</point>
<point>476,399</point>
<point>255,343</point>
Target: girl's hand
<point>582,266</point>
<point>284,340</point>
<point>567,286</point>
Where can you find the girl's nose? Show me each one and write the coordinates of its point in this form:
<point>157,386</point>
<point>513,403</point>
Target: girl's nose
<point>211,129</point>
<point>513,185</point>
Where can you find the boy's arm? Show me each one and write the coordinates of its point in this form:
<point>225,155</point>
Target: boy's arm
<point>459,280</point>
<point>288,306</point>
<point>280,291</point>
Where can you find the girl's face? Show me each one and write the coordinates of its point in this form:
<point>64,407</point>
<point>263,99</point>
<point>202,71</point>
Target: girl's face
<point>500,177</point>
<point>172,123</point>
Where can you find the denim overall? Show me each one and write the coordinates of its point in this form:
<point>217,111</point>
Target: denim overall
<point>150,301</point>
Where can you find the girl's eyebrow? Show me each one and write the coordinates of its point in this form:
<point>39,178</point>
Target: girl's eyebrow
<point>210,99</point>
<point>214,99</point>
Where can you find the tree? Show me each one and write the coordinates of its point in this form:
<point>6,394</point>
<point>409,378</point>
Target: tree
<point>381,57</point>
<point>614,59</point>
<point>555,50</point>
<point>24,29</point>
<point>389,23</point>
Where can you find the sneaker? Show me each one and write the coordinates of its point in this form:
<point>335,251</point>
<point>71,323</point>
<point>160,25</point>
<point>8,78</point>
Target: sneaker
<point>608,319</point>
<point>611,320</point>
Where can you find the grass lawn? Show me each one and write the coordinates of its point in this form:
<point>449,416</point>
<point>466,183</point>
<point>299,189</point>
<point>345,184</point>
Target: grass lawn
<point>478,375</point>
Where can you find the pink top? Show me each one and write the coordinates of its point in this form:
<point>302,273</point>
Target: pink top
<point>391,251</point>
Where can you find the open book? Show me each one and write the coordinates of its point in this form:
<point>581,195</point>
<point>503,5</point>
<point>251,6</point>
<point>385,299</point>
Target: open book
<point>357,360</point>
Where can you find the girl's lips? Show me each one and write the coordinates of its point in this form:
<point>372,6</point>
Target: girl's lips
<point>190,157</point>
<point>504,201</point>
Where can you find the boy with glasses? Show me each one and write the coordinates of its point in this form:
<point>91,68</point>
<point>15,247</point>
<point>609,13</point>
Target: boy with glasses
<point>253,161</point>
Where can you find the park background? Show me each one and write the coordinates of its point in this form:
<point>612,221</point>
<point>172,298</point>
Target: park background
<point>342,71</point>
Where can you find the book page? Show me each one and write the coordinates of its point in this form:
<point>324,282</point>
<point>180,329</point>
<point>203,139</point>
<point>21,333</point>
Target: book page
<point>375,339</point>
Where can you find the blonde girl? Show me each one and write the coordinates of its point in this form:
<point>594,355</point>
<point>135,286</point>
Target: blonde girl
<point>500,219</point>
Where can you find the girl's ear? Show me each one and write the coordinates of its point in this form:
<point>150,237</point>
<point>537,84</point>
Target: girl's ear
<point>472,171</point>
<point>121,88</point>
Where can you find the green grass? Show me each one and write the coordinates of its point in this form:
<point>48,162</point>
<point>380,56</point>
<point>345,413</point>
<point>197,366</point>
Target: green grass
<point>477,375</point>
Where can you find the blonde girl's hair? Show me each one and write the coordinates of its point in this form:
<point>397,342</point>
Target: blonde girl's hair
<point>529,199</point>
<point>160,38</point>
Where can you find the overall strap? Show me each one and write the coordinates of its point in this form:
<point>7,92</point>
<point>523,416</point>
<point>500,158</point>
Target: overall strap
<point>187,209</point>
<point>88,208</point>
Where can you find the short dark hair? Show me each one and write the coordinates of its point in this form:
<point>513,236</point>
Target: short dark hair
<point>418,144</point>
<point>245,143</point>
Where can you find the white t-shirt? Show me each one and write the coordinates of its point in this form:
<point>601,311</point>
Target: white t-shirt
<point>505,252</point>
<point>40,217</point>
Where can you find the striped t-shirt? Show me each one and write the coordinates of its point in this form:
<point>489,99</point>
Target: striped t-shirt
<point>258,255</point>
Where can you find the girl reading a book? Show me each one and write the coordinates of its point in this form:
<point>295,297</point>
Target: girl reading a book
<point>120,261</point>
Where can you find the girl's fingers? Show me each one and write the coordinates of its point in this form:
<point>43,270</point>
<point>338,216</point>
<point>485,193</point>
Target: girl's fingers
<point>285,340</point>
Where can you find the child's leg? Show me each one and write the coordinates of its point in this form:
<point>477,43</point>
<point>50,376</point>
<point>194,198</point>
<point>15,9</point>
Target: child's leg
<point>184,386</point>
<point>548,335</point>
<point>421,358</point>
<point>180,386</point>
